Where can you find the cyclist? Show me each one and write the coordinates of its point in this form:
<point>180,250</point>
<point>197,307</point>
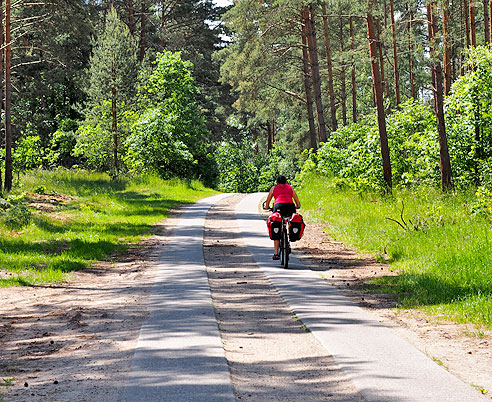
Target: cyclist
<point>283,194</point>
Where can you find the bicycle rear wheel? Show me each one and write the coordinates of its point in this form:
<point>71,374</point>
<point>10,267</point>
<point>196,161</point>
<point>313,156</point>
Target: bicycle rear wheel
<point>285,249</point>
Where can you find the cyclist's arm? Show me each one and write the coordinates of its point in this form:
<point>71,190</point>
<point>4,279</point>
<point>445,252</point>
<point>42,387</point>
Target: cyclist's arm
<point>296,199</point>
<point>269,199</point>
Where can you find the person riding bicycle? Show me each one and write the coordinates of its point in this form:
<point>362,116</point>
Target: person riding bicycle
<point>283,194</point>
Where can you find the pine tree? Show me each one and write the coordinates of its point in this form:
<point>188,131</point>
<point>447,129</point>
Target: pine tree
<point>113,72</point>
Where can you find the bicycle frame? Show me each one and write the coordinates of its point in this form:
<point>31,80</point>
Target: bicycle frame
<point>285,242</point>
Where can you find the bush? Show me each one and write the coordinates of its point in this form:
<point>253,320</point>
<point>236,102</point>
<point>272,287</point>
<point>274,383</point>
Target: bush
<point>353,152</point>
<point>17,216</point>
<point>27,154</point>
<point>241,170</point>
<point>469,120</point>
<point>153,146</point>
<point>61,149</point>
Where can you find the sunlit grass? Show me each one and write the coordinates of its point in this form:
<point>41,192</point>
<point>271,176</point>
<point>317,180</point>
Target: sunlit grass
<point>443,254</point>
<point>99,217</point>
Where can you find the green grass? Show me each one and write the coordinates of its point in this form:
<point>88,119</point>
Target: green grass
<point>101,217</point>
<point>444,256</point>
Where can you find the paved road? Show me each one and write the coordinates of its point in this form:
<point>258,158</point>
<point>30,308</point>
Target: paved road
<point>179,356</point>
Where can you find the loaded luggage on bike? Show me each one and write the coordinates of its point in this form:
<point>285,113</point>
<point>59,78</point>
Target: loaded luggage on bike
<point>274,224</point>
<point>296,228</point>
<point>286,202</point>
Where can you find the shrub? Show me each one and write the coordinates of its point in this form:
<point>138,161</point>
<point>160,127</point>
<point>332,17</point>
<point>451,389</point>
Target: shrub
<point>353,152</point>
<point>154,146</point>
<point>17,216</point>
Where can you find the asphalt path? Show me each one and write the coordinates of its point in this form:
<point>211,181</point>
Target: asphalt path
<point>180,357</point>
<point>382,366</point>
<point>179,354</point>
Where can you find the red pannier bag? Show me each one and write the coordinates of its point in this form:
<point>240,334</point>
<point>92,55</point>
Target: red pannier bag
<point>274,224</point>
<point>296,229</point>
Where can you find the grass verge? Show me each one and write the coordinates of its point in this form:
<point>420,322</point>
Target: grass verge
<point>440,248</point>
<point>80,217</point>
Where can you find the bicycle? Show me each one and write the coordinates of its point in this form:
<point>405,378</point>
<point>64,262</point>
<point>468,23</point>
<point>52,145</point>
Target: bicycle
<point>284,248</point>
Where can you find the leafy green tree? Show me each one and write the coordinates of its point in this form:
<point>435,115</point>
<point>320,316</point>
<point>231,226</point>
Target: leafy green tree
<point>169,135</point>
<point>113,75</point>
<point>154,146</point>
<point>27,154</point>
<point>469,119</point>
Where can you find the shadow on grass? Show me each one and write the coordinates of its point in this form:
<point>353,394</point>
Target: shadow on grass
<point>84,187</point>
<point>68,255</point>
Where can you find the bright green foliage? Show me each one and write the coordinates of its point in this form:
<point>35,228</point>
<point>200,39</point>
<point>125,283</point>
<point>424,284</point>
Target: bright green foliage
<point>27,154</point>
<point>242,170</point>
<point>443,254</point>
<point>171,88</point>
<point>94,137</point>
<point>237,169</point>
<point>168,135</point>
<point>352,152</point>
<point>469,120</point>
<point>154,146</point>
<point>62,144</point>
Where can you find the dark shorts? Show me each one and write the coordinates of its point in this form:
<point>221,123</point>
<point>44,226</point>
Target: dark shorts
<point>286,209</point>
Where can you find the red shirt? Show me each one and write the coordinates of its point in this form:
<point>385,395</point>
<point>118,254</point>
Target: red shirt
<point>283,194</point>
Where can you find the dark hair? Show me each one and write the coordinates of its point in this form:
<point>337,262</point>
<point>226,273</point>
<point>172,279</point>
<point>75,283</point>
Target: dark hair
<point>281,179</point>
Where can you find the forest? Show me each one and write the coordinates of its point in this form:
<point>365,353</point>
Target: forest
<point>381,104</point>
<point>381,94</point>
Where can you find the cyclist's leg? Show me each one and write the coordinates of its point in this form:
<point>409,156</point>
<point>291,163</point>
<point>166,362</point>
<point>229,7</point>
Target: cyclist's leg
<point>276,243</point>
<point>276,246</point>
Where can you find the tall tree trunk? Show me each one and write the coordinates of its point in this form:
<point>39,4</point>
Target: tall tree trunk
<point>2,43</point>
<point>467,21</point>
<point>143,22</point>
<point>486,20</point>
<point>331,91</point>
<point>490,19</point>
<point>381,57</point>
<point>446,175</point>
<point>307,88</point>
<point>472,25</point>
<point>269,135</point>
<point>462,36</point>
<point>114,128</point>
<point>131,17</point>
<point>396,73</point>
<point>354,84</point>
<point>446,49</point>
<point>378,92</point>
<point>410,56</point>
<point>313,59</point>
<point>166,10</point>
<point>8,91</point>
<point>343,88</point>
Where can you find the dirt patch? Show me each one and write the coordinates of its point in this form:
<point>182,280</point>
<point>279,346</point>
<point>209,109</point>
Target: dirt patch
<point>462,349</point>
<point>48,202</point>
<point>270,354</point>
<point>74,341</point>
